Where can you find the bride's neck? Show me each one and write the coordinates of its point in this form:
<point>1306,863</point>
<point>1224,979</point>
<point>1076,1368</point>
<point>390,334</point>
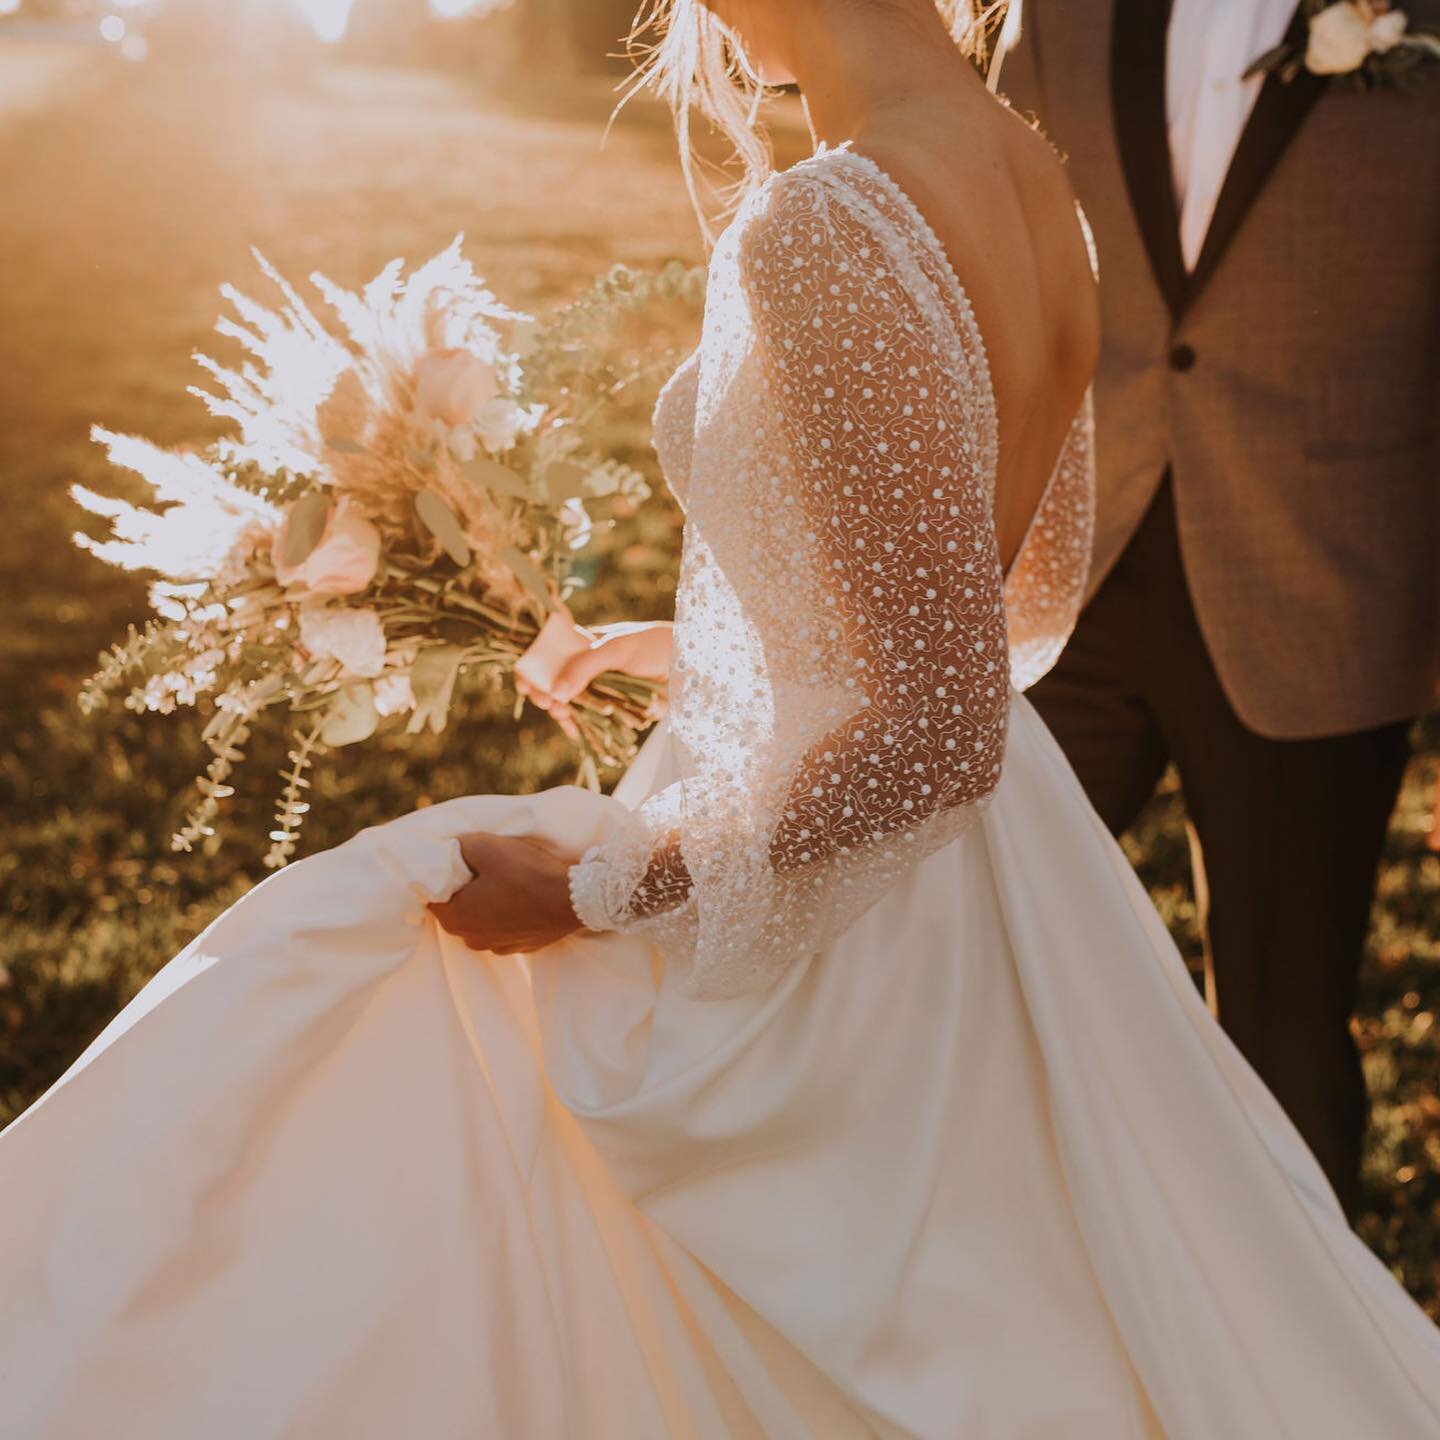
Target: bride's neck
<point>859,62</point>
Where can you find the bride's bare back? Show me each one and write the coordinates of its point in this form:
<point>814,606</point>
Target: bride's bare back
<point>998,199</point>
<point>886,77</point>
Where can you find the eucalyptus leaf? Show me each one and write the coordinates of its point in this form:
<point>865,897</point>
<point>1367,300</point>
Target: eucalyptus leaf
<point>344,445</point>
<point>439,519</point>
<point>432,679</point>
<point>352,716</point>
<point>528,574</point>
<point>305,527</point>
<point>496,477</point>
<point>565,480</point>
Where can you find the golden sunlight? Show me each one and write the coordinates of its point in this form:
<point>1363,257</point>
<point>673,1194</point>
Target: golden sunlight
<point>457,9</point>
<point>329,19</point>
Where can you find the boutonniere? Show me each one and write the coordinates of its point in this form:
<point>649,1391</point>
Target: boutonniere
<point>1366,42</point>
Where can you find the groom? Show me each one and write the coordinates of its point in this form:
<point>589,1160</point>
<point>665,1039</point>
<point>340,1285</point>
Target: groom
<point>1264,607</point>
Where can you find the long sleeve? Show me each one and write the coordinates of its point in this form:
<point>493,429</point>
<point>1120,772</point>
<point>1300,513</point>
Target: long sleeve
<point>853,542</point>
<point>1045,586</point>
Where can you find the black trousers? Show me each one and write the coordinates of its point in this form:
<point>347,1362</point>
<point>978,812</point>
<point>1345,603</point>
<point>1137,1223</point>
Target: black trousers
<point>1289,832</point>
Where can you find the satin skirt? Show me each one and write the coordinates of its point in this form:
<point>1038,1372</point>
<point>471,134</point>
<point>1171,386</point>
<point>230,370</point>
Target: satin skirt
<point>984,1168</point>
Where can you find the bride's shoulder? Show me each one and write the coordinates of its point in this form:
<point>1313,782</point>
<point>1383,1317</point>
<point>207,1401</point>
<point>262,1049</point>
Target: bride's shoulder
<point>795,206</point>
<point>785,194</point>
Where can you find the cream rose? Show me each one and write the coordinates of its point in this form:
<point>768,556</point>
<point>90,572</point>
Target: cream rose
<point>453,386</point>
<point>394,695</point>
<point>498,425</point>
<point>1343,36</point>
<point>1388,30</point>
<point>354,638</point>
<point>343,563</point>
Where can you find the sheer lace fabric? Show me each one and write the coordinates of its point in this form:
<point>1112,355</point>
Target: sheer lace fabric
<point>1045,586</point>
<point>674,426</point>
<point>842,674</point>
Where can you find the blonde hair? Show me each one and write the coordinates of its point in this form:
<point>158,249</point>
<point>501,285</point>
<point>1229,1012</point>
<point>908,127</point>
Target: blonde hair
<point>691,59</point>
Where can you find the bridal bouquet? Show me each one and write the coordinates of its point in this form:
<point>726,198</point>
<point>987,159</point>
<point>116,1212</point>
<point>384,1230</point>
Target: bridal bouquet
<point>403,501</point>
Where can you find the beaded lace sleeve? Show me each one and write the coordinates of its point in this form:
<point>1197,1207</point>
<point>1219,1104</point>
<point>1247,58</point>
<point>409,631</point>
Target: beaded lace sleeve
<point>1045,587</point>
<point>841,635</point>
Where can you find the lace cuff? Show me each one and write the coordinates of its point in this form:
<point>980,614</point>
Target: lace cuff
<point>592,890</point>
<point>604,880</point>
<point>613,886</point>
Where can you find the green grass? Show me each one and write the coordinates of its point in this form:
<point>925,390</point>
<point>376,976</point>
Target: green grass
<point>129,197</point>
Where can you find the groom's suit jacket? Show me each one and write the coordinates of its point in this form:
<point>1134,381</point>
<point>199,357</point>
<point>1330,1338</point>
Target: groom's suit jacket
<point>1290,385</point>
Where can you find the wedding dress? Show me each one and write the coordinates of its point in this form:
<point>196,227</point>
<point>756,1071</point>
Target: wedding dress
<point>877,1103</point>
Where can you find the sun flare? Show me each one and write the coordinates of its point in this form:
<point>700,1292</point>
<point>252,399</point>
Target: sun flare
<point>329,19</point>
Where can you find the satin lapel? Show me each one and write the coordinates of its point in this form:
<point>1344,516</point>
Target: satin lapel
<point>1142,133</point>
<point>1279,112</point>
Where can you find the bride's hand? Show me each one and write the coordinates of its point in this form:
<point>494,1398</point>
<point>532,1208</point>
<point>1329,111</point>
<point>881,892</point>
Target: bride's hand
<point>565,657</point>
<point>519,900</point>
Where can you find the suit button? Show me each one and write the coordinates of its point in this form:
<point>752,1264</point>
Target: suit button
<point>1182,358</point>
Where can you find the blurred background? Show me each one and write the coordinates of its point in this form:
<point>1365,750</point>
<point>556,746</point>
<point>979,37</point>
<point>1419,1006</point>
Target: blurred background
<point>145,146</point>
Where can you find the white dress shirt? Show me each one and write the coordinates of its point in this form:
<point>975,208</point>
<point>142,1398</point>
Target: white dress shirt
<point>1212,43</point>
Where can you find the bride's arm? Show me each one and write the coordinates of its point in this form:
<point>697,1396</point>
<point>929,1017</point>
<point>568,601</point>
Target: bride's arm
<point>872,403</point>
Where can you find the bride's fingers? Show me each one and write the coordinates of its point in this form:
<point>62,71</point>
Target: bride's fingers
<point>537,695</point>
<point>564,717</point>
<point>448,917</point>
<point>541,699</point>
<point>580,670</point>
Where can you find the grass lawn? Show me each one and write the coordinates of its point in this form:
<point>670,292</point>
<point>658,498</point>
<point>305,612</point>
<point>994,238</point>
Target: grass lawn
<point>130,193</point>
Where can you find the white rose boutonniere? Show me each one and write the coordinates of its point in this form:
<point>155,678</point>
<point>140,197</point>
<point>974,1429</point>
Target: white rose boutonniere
<point>1368,43</point>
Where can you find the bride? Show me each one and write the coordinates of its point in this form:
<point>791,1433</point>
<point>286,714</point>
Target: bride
<point>836,1079</point>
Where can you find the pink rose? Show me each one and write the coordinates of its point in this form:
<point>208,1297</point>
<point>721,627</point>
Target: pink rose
<point>343,563</point>
<point>453,386</point>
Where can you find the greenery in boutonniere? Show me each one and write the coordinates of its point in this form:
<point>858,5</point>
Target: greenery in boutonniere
<point>1368,43</point>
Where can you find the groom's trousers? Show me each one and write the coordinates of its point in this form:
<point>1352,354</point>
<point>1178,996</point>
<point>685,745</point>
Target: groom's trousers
<point>1290,832</point>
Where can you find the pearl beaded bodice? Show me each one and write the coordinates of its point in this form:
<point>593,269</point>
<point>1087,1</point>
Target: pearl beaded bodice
<point>843,660</point>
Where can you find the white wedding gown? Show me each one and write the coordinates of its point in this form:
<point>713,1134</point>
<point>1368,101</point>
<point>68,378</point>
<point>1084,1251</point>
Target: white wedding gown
<point>879,1110</point>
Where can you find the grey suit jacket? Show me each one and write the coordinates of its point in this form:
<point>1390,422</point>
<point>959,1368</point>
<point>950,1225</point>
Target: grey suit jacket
<point>1291,385</point>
